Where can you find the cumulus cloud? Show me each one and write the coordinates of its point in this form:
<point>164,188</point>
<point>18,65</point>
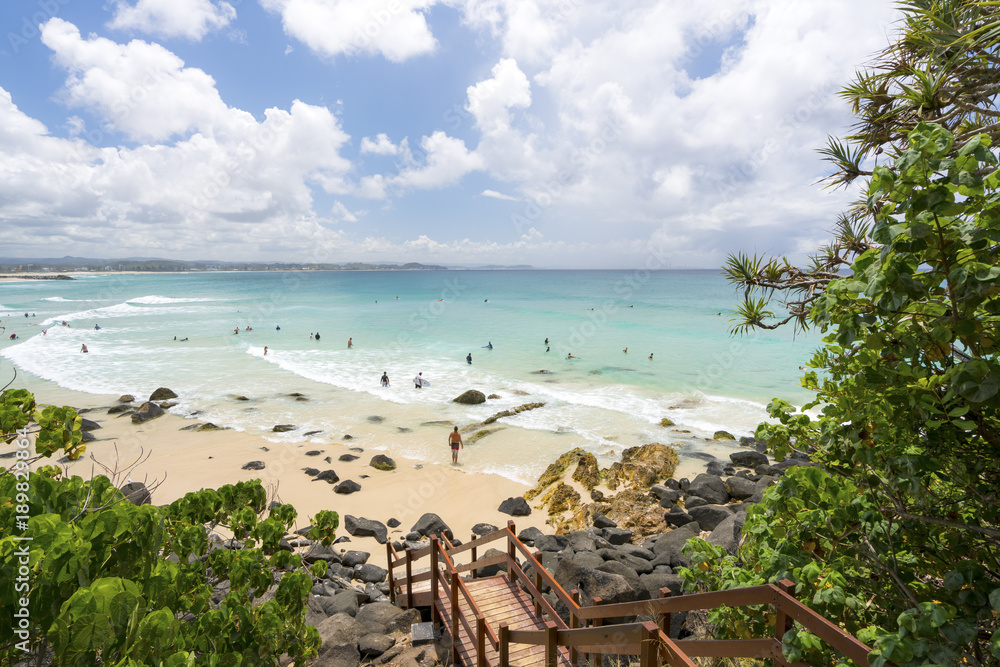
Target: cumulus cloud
<point>447,161</point>
<point>395,29</point>
<point>381,145</point>
<point>497,195</point>
<point>190,19</point>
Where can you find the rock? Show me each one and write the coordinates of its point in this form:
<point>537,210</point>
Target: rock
<point>375,419</point>
<point>515,506</point>
<point>89,425</point>
<point>347,487</point>
<point>635,551</point>
<point>136,493</point>
<point>630,576</point>
<point>348,436</point>
<point>207,426</point>
<point>748,459</point>
<point>471,397</point>
<point>431,524</point>
<point>491,570</point>
<point>253,465</point>
<point>667,422</point>
<point>640,565</point>
<point>710,516</point>
<point>652,583</point>
<point>311,433</point>
<point>312,472</point>
<point>758,445</point>
<point>723,435</point>
<point>328,476</point>
<point>344,602</point>
<point>352,559</point>
<point>392,523</point>
<point>375,644</point>
<point>678,518</point>
<point>507,413</point>
<point>695,501</point>
<point>601,521</point>
<point>709,487</point>
<point>551,542</point>
<point>611,588</point>
<point>340,629</point>
<point>319,551</point>
<point>146,412</point>
<point>727,533</point>
<point>740,487</point>
<point>382,462</point>
<point>348,458</point>
<point>126,398</point>
<point>530,535</point>
<point>283,428</point>
<point>386,618</point>
<point>314,452</point>
<point>117,409</point>
<point>493,396</point>
<point>361,527</point>
<point>668,546</point>
<point>484,529</point>
<point>371,574</point>
<point>236,397</point>
<point>161,394</point>
<point>617,535</point>
<point>588,559</point>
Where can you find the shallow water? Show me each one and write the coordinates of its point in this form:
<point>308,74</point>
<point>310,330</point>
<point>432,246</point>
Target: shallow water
<point>422,321</point>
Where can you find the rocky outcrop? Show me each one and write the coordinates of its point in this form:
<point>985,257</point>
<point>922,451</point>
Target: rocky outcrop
<point>471,397</point>
<point>723,435</point>
<point>347,487</point>
<point>284,428</point>
<point>515,506</point>
<point>382,462</point>
<point>641,467</point>
<point>431,524</point>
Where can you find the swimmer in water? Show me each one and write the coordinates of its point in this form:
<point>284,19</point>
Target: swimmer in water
<point>570,356</point>
<point>83,348</point>
<point>317,335</point>
<point>547,348</point>
<point>277,328</point>
<point>546,340</point>
<point>236,331</point>
<point>265,350</point>
<point>625,350</point>
<point>350,343</point>
<point>650,355</point>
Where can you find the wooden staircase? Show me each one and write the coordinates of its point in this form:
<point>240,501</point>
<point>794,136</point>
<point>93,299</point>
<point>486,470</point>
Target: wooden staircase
<point>504,619</point>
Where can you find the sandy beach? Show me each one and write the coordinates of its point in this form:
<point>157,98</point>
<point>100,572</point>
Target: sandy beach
<point>173,462</point>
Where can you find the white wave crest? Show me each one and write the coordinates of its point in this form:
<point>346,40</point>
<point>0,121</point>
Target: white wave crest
<point>153,299</point>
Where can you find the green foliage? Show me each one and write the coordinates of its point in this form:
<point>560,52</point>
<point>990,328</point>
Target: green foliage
<point>897,536</point>
<point>114,583</point>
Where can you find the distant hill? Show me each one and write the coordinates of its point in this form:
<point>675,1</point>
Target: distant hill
<point>152,264</point>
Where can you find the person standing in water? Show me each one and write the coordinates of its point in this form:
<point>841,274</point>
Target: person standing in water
<point>350,343</point>
<point>455,441</point>
<point>385,379</point>
<point>83,348</point>
<point>265,350</point>
<point>468,358</point>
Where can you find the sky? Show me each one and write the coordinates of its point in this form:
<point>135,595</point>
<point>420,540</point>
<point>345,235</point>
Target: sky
<point>556,133</point>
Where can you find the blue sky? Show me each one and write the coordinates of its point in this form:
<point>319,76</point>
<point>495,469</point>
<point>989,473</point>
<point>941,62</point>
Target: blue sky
<point>555,133</point>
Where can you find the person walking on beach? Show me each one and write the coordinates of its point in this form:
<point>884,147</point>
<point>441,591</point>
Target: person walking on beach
<point>455,441</point>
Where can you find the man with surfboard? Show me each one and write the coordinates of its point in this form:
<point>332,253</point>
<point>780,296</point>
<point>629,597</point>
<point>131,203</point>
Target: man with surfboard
<point>419,382</point>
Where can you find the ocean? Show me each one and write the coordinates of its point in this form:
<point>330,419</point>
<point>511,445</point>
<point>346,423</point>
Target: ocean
<point>177,331</point>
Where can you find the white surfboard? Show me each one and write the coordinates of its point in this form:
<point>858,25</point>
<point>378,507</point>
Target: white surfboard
<point>421,381</point>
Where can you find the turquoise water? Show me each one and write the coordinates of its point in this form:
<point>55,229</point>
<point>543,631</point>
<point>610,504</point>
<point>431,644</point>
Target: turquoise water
<point>409,322</point>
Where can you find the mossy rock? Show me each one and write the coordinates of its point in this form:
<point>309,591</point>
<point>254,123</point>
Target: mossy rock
<point>476,437</point>
<point>723,435</point>
<point>555,471</point>
<point>666,422</point>
<point>587,473</point>
<point>561,498</point>
<point>642,466</point>
<point>382,462</point>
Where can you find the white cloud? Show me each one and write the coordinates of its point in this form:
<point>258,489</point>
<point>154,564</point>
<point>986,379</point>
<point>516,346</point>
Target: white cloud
<point>490,100</point>
<point>448,160</point>
<point>394,29</point>
<point>497,195</point>
<point>380,146</point>
<point>190,19</point>
<point>341,213</point>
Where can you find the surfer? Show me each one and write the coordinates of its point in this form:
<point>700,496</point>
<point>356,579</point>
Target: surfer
<point>83,348</point>
<point>547,348</point>
<point>97,327</point>
<point>569,355</point>
<point>489,346</point>
<point>385,379</point>
<point>468,358</point>
<point>317,335</point>
<point>277,328</point>
<point>455,441</point>
<point>183,340</point>
<point>350,343</point>
<point>546,340</point>
<point>418,382</point>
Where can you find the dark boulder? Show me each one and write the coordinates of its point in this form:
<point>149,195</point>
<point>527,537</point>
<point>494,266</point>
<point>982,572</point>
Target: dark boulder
<point>748,459</point>
<point>617,535</point>
<point>669,545</point>
<point>374,644</point>
<point>118,409</point>
<point>484,529</point>
<point>611,588</point>
<point>515,506</point>
<point>727,533</point>
<point>530,535</point>
<point>126,398</point>
<point>284,428</point>
<point>386,618</point>
<point>710,516</point>
<point>348,458</point>
<point>431,524</point>
<point>491,570</point>
<point>352,559</point>
<point>371,574</point>
<point>471,397</point>
<point>601,521</point>
<point>161,394</point>
<point>136,493</point>
<point>676,517</point>
<point>740,488</point>
<point>346,487</point>
<point>146,412</point>
<point>89,425</point>
<point>382,462</point>
<point>253,465</point>
<point>328,476</point>
<point>709,487</point>
<point>361,527</point>
<point>551,542</point>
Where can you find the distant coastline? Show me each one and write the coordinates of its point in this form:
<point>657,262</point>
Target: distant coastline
<point>42,268</point>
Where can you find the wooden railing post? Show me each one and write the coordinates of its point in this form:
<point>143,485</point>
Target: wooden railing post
<point>663,619</point>
<point>434,579</point>
<point>574,623</point>
<point>538,583</point>
<point>649,654</point>
<point>551,648</point>
<point>409,578</point>
<point>473,555</point>
<point>480,641</point>
<point>504,640</point>
<point>392,583</point>
<point>782,623</point>
<point>597,658</point>
<point>511,551</point>
<point>454,618</point>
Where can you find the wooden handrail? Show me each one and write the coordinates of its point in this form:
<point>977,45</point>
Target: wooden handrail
<point>549,579</point>
<point>536,595</point>
<point>736,597</point>
<point>846,643</point>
